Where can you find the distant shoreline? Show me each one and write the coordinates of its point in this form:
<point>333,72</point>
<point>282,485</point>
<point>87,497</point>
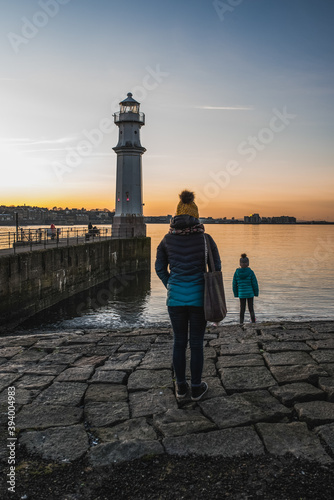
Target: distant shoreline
<point>310,223</point>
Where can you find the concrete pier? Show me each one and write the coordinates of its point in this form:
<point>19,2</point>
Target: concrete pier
<point>33,281</point>
<point>109,395</point>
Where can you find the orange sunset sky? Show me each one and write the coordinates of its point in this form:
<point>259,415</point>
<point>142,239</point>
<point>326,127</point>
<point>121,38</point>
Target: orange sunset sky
<point>238,104</point>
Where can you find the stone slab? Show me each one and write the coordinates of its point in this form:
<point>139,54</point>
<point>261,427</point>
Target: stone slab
<point>288,358</point>
<point>326,433</point>
<point>105,393</point>
<point>9,352</point>
<point>297,373</point>
<point>75,374</point>
<point>246,378</point>
<point>22,396</point>
<point>60,358</point>
<point>12,367</point>
<point>329,368</point>
<point>134,428</point>
<point>243,409</point>
<point>123,451</point>
<point>230,350</point>
<point>134,347</point>
<point>327,385</point>
<point>322,344</point>
<point>104,414</point>
<point>298,392</point>
<point>222,443</point>
<point>126,361</point>
<point>147,403</point>
<point>175,422</point>
<point>61,444</point>
<point>157,359</point>
<point>29,355</point>
<point>149,379</point>
<point>295,438</point>
<point>209,368</point>
<point>90,361</point>
<point>41,416</point>
<point>293,335</point>
<point>63,393</point>
<point>323,327</point>
<point>286,346</point>
<point>315,413</point>
<point>34,381</point>
<point>8,379</point>
<point>44,369</point>
<point>240,360</point>
<point>323,356</point>
<point>108,377</point>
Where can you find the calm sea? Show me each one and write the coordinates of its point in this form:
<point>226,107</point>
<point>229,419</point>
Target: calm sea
<point>293,264</point>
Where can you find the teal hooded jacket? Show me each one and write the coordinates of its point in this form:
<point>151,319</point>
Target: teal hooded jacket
<point>245,283</point>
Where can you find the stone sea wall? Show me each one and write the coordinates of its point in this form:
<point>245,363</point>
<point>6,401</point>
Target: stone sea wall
<point>33,281</point>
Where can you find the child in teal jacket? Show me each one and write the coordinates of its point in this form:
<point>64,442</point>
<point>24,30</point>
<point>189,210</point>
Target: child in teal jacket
<point>245,287</point>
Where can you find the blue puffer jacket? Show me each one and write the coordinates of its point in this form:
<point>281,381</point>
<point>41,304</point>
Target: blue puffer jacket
<point>185,256</point>
<point>245,283</point>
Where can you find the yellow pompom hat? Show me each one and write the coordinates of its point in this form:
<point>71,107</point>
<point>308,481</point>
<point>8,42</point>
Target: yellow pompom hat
<point>187,206</point>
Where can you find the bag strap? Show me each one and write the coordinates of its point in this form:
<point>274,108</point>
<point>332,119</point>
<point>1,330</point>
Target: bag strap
<point>208,253</point>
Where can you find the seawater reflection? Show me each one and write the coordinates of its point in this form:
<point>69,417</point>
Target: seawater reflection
<point>292,264</point>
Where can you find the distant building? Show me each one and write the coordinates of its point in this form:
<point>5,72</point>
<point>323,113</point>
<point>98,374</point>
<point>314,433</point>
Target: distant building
<point>252,219</point>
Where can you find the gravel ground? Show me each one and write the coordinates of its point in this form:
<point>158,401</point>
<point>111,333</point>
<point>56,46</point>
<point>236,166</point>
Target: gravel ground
<point>166,478</point>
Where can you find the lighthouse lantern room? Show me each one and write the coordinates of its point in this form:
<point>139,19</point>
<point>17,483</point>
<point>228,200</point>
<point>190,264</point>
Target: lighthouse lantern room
<point>128,220</point>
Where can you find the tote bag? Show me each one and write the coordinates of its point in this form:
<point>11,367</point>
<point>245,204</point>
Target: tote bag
<point>214,296</point>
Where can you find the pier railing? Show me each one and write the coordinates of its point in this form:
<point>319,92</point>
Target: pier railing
<point>33,239</point>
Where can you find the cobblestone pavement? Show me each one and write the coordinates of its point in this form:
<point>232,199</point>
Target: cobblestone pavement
<point>109,395</point>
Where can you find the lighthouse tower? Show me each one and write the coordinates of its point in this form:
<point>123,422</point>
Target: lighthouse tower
<point>128,220</point>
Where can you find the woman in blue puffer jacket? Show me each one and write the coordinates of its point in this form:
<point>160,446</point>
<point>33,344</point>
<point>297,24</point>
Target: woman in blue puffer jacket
<point>180,264</point>
<point>245,287</point>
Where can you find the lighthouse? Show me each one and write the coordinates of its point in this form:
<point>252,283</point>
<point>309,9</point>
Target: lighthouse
<point>128,219</point>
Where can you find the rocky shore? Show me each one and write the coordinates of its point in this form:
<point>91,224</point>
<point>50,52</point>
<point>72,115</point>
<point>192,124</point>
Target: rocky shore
<point>98,407</point>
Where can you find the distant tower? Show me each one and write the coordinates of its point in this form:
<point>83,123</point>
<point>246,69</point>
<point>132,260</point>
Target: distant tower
<point>128,220</point>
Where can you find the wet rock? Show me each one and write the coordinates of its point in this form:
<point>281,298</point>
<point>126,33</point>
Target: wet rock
<point>75,374</point>
<point>222,443</point>
<point>243,409</point>
<point>246,378</point>
<point>149,379</point>
<point>34,381</point>
<point>126,362</point>
<point>147,403</point>
<point>294,438</point>
<point>123,451</point>
<point>179,422</point>
<point>40,416</point>
<point>135,428</point>
<point>289,394</point>
<point>287,358</point>
<point>239,360</point>
<point>104,393</point>
<point>315,412</point>
<point>103,414</point>
<point>63,393</point>
<point>61,444</point>
<point>108,377</point>
<point>298,373</point>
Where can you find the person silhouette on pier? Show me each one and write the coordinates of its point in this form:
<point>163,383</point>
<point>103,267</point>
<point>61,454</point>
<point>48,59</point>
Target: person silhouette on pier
<point>182,250</point>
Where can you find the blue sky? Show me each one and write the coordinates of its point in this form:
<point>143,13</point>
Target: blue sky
<point>209,76</point>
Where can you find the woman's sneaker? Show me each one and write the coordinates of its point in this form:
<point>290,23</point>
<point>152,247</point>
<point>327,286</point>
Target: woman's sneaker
<point>198,392</point>
<point>181,390</point>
